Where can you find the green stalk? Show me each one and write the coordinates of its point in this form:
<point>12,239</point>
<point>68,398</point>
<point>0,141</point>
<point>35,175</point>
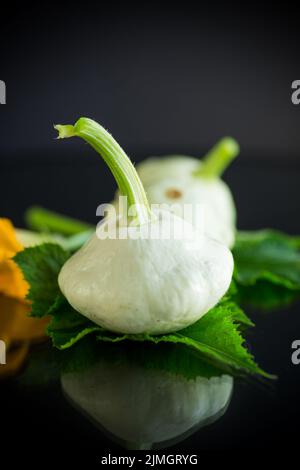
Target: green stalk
<point>218,159</point>
<point>71,243</point>
<point>43,220</point>
<point>76,241</point>
<point>114,156</point>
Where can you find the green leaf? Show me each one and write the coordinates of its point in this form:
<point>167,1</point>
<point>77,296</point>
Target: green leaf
<point>67,326</point>
<point>267,296</point>
<point>267,255</point>
<point>63,339</point>
<point>40,266</point>
<point>238,315</point>
<point>215,336</point>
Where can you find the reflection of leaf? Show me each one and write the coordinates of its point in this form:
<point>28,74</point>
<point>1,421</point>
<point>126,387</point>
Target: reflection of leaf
<point>267,255</point>
<point>43,368</point>
<point>46,364</point>
<point>174,359</point>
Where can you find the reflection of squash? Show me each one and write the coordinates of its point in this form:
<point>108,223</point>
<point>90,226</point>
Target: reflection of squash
<point>18,330</point>
<point>141,406</point>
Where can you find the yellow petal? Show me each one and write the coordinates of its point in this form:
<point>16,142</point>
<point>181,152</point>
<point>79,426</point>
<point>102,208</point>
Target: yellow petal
<point>12,282</point>
<point>9,244</point>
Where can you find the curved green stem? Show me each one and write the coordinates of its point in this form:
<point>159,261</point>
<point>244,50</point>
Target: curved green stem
<point>218,158</point>
<point>114,156</point>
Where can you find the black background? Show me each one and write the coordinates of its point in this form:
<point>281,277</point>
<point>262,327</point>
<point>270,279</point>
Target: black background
<point>162,81</point>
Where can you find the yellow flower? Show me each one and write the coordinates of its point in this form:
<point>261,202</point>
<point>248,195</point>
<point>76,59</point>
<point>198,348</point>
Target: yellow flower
<point>12,282</point>
<point>17,329</point>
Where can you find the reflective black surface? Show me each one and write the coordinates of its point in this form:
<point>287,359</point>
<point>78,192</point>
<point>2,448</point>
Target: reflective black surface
<point>37,419</point>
